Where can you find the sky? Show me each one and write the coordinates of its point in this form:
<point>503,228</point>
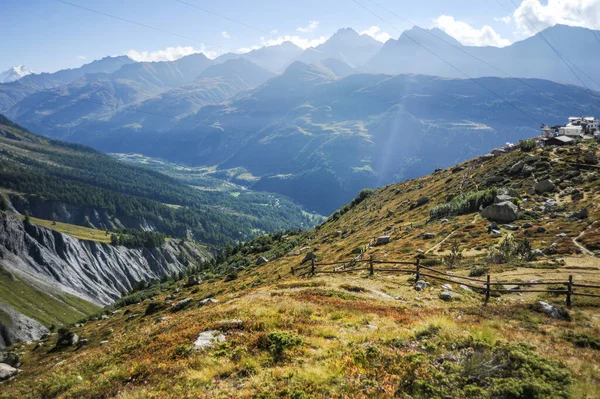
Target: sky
<point>48,35</point>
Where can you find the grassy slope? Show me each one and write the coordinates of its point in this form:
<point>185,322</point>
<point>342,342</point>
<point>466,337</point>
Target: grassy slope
<point>57,309</point>
<point>79,232</point>
<point>353,344</point>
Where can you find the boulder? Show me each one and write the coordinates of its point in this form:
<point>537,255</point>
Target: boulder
<point>545,186</point>
<point>66,339</point>
<point>448,296</point>
<point>261,260</point>
<point>207,301</point>
<point>590,157</point>
<point>421,285</point>
<point>493,180</point>
<point>504,212</point>
<point>446,287</point>
<point>181,304</point>
<point>207,339</point>
<point>553,311</point>
<point>428,236</point>
<point>511,227</point>
<point>192,281</point>
<point>516,168</point>
<point>512,192</point>
<point>465,288</point>
<point>10,358</point>
<point>582,214</point>
<point>502,198</point>
<point>309,256</point>
<point>382,240</point>
<point>528,171</point>
<point>422,201</point>
<point>7,371</point>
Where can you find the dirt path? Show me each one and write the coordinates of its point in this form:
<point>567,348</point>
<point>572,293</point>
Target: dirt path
<point>583,249</point>
<point>441,242</point>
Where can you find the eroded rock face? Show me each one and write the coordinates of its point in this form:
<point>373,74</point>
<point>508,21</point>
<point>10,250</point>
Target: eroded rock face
<point>56,262</point>
<point>545,186</point>
<point>95,271</point>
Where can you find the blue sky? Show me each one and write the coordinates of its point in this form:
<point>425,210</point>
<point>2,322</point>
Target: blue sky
<point>46,35</point>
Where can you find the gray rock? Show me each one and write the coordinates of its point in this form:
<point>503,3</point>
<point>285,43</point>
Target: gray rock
<point>511,227</point>
<point>192,281</point>
<point>552,311</point>
<point>67,339</point>
<point>383,240</point>
<point>494,179</point>
<point>181,304</point>
<point>528,171</point>
<point>422,201</point>
<point>590,157</point>
<point>562,235</point>
<point>446,287</point>
<point>448,296</point>
<point>7,371</point>
<point>421,285</point>
<point>465,288</point>
<point>17,327</point>
<point>512,193</point>
<point>582,214</point>
<point>517,168</point>
<point>309,256</point>
<point>502,198</point>
<point>527,225</point>
<point>207,301</point>
<point>504,212</point>
<point>207,339</point>
<point>545,186</point>
<point>10,358</point>
<point>444,220</point>
<point>261,260</point>
<point>428,236</point>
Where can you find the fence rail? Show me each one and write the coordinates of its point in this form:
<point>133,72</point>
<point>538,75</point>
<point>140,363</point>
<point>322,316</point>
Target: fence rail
<point>485,286</point>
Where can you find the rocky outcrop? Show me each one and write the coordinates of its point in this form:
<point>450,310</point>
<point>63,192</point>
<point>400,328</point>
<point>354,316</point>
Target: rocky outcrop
<point>504,212</point>
<point>100,273</point>
<point>16,327</point>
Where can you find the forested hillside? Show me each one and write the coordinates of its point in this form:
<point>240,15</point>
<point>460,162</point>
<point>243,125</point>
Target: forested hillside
<point>76,184</point>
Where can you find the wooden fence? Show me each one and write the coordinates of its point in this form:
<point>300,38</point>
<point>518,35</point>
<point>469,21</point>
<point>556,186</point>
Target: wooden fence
<point>485,286</point>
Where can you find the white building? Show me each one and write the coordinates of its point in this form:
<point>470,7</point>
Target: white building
<point>570,131</point>
<point>592,123</point>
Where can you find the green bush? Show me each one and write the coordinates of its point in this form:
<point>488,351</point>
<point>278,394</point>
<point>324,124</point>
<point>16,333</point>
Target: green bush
<point>478,271</point>
<point>527,145</point>
<point>363,195</point>
<point>465,204</point>
<point>582,340</point>
<point>278,342</point>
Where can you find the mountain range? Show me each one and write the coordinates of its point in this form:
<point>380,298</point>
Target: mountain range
<point>347,114</point>
<point>14,73</point>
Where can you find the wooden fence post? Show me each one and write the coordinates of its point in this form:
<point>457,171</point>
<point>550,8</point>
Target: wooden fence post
<point>418,276</point>
<point>487,290</point>
<point>569,290</point>
<point>371,271</point>
<point>312,267</point>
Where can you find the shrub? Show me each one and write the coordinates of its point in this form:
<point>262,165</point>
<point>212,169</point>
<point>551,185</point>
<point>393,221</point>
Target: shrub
<point>278,342</point>
<point>154,307</point>
<point>454,257</point>
<point>3,203</point>
<point>582,340</point>
<point>478,271</point>
<point>464,204</point>
<point>363,195</point>
<point>527,145</point>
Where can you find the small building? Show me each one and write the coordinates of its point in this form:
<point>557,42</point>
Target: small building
<point>558,141</point>
<point>593,124</point>
<point>570,131</point>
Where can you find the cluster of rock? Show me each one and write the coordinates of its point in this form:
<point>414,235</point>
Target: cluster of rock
<point>9,365</point>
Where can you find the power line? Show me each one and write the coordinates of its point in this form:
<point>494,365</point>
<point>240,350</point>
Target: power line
<point>139,24</point>
<point>448,63</point>
<point>223,16</point>
<point>462,50</point>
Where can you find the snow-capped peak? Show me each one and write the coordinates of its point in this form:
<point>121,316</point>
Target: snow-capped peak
<point>14,73</point>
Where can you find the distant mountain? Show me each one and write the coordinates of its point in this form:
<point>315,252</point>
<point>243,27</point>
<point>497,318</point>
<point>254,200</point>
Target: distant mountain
<point>138,98</point>
<point>272,58</point>
<point>13,92</point>
<point>346,45</point>
<point>335,67</point>
<point>14,73</point>
<point>309,131</point>
<point>431,51</point>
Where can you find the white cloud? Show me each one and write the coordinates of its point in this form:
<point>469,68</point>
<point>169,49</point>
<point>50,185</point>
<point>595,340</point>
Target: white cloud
<point>168,54</point>
<point>311,27</point>
<point>468,35</point>
<point>297,40</point>
<point>376,33</point>
<point>225,35</point>
<point>507,20</point>
<point>81,57</point>
<point>584,13</point>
